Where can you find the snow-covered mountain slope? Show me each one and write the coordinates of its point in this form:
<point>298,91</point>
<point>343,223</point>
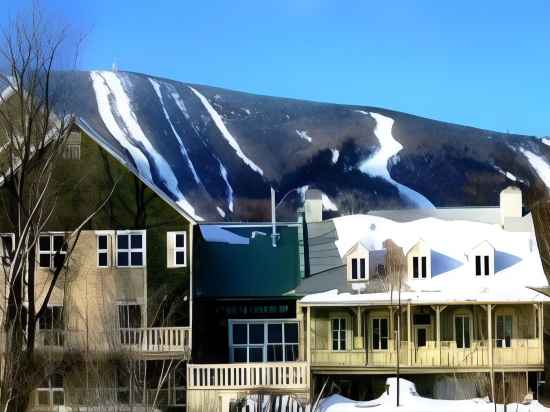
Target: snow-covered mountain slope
<point>216,152</point>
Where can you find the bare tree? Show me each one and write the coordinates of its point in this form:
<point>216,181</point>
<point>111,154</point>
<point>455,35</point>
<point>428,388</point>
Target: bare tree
<point>396,270</point>
<point>34,126</point>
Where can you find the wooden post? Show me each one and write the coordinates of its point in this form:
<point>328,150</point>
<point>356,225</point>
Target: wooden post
<point>490,348</point>
<point>409,333</point>
<point>302,332</point>
<point>308,334</point>
<point>541,332</point>
<point>438,326</point>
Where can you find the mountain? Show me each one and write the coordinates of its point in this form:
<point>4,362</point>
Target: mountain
<point>215,152</point>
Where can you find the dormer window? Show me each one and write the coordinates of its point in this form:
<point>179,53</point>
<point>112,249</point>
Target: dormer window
<point>482,266</point>
<point>482,259</point>
<point>419,261</point>
<point>420,267</point>
<point>358,269</point>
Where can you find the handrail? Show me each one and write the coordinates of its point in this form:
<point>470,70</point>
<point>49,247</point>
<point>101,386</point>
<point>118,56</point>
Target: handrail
<point>157,339</point>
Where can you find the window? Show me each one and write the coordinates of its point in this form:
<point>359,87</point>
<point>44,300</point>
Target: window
<point>176,249</point>
<point>52,250</point>
<point>486,269</point>
<point>51,393</point>
<point>102,251</point>
<point>130,249</point>
<point>71,151</point>
<point>420,267</point>
<point>338,334</point>
<point>462,331</point>
<point>380,334</point>
<point>263,341</point>
<point>7,244</point>
<point>504,331</point>
<point>51,326</point>
<point>358,268</point>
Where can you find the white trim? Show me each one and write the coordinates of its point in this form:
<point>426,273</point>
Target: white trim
<point>372,318</point>
<point>130,250</point>
<point>348,331</point>
<point>171,244</point>
<point>463,313</point>
<point>106,250</point>
<point>51,252</point>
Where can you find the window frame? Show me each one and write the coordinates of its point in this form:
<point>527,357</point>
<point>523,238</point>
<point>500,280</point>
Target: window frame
<point>130,250</point>
<point>50,390</point>
<point>51,252</point>
<point>339,332</point>
<point>55,334</point>
<point>463,315</point>
<point>505,313</point>
<point>483,263</point>
<point>266,344</point>
<point>173,238</point>
<point>380,318</point>
<point>100,251</point>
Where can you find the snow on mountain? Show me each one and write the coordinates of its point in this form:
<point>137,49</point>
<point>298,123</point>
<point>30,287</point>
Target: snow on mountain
<point>377,164</point>
<point>213,151</point>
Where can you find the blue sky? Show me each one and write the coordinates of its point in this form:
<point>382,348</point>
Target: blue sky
<point>480,63</point>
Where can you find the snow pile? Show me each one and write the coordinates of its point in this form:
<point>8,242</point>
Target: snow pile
<point>225,133</point>
<point>377,164</point>
<point>517,260</point>
<point>215,233</point>
<point>335,155</point>
<point>328,204</point>
<point>410,401</point>
<point>112,97</point>
<point>303,134</point>
<point>539,164</point>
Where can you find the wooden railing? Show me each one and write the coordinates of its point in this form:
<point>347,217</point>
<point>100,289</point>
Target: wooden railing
<point>167,339</point>
<point>521,352</point>
<point>275,375</point>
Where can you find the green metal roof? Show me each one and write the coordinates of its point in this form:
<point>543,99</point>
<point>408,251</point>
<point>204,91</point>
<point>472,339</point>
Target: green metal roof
<point>234,264</point>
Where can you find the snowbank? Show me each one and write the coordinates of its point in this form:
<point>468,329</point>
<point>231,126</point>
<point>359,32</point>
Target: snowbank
<point>410,401</point>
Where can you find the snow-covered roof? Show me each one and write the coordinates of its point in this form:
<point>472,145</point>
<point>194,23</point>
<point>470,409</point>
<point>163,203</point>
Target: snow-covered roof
<point>517,261</point>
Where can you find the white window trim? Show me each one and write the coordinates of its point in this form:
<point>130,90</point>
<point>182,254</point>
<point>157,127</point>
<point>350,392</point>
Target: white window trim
<point>50,390</point>
<point>265,323</point>
<point>58,340</point>
<point>505,312</point>
<point>178,249</point>
<point>421,275</point>
<point>482,265</point>
<point>468,315</point>
<point>347,330</point>
<point>143,249</point>
<point>98,250</point>
<point>52,252</point>
<point>378,317</point>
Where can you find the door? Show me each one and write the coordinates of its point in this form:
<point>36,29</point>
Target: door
<point>504,331</point>
<point>421,336</point>
<point>462,331</point>
<point>129,323</point>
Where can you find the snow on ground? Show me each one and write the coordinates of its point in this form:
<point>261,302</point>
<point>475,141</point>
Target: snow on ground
<point>303,134</point>
<point>335,155</point>
<point>183,150</point>
<point>539,164</point>
<point>410,401</point>
<point>112,97</point>
<point>225,133</point>
<point>229,193</point>
<point>328,204</point>
<point>377,164</point>
<point>517,260</point>
<point>214,233</point>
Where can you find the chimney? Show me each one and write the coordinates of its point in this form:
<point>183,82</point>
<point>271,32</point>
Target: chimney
<point>511,203</point>
<point>313,206</point>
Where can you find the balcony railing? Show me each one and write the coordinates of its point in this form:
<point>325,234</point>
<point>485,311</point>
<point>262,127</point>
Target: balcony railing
<point>521,352</point>
<point>164,339</point>
<point>275,375</point>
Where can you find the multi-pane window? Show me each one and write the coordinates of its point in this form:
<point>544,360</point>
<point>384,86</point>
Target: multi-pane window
<point>338,334</point>
<point>504,331</point>
<point>130,249</point>
<point>51,326</point>
<point>358,268</point>
<point>71,151</point>
<point>102,251</point>
<point>420,267</point>
<point>7,242</point>
<point>380,333</point>
<point>52,250</point>
<point>51,392</point>
<point>177,247</point>
<point>263,341</point>
<point>482,265</point>
<point>462,331</point>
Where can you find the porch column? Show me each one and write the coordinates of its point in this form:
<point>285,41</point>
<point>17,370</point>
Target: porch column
<point>438,326</point>
<point>359,343</point>
<point>541,331</point>
<point>308,334</point>
<point>490,348</point>
<point>409,333</point>
<point>302,332</point>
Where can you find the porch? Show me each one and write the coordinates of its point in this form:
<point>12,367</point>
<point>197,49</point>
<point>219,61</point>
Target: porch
<point>432,338</point>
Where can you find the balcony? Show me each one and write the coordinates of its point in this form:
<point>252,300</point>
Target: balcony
<point>522,352</point>
<point>156,340</point>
